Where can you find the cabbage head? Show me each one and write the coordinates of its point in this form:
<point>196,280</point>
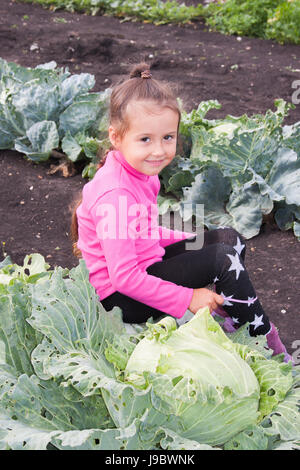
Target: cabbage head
<point>199,375</point>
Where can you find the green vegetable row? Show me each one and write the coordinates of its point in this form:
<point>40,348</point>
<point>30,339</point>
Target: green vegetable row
<point>152,11</point>
<point>73,376</point>
<point>268,19</point>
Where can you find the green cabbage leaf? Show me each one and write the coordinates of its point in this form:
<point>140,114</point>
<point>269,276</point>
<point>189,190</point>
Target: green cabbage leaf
<point>73,376</point>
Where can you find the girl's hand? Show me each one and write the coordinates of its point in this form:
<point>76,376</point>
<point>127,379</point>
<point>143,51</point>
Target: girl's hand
<point>205,298</point>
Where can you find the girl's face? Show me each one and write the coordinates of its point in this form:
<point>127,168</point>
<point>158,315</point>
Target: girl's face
<point>149,144</point>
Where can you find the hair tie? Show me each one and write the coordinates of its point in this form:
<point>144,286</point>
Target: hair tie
<point>146,74</point>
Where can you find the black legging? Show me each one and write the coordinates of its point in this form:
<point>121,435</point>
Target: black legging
<point>221,262</point>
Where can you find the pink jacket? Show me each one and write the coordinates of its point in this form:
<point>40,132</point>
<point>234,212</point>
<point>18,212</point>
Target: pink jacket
<point>119,237</point>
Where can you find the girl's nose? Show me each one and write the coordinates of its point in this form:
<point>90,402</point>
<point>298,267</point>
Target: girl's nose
<point>158,151</point>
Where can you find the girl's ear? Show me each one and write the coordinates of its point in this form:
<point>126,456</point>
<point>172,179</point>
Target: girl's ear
<point>113,136</point>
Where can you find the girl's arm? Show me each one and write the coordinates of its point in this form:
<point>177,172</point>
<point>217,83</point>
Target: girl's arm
<point>122,261</point>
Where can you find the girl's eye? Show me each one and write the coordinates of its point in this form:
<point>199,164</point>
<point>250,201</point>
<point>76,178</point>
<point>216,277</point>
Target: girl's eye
<point>166,137</point>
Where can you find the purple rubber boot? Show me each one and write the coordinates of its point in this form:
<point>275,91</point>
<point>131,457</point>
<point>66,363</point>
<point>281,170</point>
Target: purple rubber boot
<point>228,324</point>
<point>274,343</point>
<point>273,339</point>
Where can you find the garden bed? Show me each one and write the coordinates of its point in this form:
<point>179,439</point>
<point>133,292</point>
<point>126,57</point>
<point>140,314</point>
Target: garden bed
<point>245,75</point>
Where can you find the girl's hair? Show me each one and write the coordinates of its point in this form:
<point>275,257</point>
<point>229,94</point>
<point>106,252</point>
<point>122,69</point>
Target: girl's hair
<point>140,86</point>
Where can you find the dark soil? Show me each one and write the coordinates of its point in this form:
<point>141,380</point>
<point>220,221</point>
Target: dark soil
<point>245,75</point>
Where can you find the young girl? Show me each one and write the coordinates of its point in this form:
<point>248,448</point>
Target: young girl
<point>133,263</point>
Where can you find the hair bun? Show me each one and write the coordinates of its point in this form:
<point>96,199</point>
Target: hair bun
<point>141,70</point>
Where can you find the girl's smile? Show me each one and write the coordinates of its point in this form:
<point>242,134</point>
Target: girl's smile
<point>149,143</point>
<point>155,162</point>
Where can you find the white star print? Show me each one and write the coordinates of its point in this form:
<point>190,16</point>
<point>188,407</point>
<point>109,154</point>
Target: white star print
<point>226,302</point>
<point>239,246</point>
<point>257,321</point>
<point>216,279</point>
<point>236,265</point>
<point>235,320</point>
<point>251,301</point>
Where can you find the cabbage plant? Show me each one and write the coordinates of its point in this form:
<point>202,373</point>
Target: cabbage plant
<point>73,376</point>
<point>45,109</point>
<point>240,168</point>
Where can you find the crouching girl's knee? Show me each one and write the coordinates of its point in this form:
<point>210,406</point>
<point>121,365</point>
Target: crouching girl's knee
<point>225,253</point>
<point>232,235</point>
